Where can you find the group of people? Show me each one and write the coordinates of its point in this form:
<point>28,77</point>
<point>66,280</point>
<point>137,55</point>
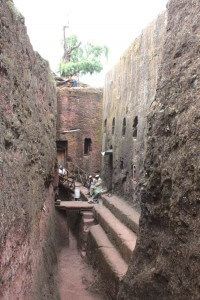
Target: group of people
<point>94,186</point>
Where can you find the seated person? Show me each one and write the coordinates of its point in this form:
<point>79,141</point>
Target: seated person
<point>96,189</point>
<point>88,183</point>
<point>60,170</point>
<point>92,185</point>
<point>65,172</point>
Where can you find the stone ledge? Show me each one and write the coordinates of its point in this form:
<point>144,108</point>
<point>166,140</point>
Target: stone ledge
<point>74,205</point>
<point>118,233</point>
<point>106,258</point>
<point>123,211</point>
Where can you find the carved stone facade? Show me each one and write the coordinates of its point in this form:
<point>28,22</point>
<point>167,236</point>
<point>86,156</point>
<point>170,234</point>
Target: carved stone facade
<point>129,91</point>
<point>166,262</point>
<point>79,127</point>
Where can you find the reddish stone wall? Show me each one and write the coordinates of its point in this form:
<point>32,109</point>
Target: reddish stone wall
<point>166,262</point>
<point>128,93</point>
<point>81,108</point>
<point>27,159</point>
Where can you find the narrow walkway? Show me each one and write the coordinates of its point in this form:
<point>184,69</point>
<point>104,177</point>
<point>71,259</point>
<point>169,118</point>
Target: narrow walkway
<point>75,277</point>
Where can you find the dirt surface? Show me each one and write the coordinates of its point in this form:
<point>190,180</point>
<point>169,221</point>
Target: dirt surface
<point>76,279</point>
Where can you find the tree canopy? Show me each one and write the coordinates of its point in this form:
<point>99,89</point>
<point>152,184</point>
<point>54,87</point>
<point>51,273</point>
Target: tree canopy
<point>81,59</point>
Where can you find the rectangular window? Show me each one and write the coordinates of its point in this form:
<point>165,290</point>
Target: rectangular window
<point>87,146</point>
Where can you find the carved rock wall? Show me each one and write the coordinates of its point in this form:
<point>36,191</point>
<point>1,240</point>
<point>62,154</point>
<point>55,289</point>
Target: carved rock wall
<point>129,91</point>
<point>166,262</point>
<point>27,161</point>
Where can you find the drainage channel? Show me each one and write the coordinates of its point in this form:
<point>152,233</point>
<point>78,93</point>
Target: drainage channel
<point>76,278</point>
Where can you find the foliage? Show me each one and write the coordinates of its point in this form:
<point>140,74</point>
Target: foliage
<point>81,59</point>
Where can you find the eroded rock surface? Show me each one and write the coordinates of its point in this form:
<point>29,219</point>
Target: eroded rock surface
<point>128,93</point>
<point>27,159</point>
<point>166,263</point>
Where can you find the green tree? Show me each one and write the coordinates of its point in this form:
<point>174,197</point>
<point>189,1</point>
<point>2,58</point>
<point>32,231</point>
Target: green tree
<point>79,59</point>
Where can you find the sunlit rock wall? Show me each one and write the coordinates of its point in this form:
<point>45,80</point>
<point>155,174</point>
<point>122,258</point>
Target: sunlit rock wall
<point>166,262</point>
<point>27,161</point>
<point>129,91</point>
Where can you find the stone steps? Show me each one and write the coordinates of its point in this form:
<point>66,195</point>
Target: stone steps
<point>111,243</point>
<point>87,214</point>
<point>123,211</point>
<point>104,256</point>
<point>118,233</point>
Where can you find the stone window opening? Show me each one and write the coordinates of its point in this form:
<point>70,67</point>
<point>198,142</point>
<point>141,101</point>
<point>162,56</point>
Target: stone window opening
<point>121,164</point>
<point>133,168</point>
<point>124,127</point>
<point>87,146</point>
<point>105,125</point>
<point>113,126</point>
<point>135,126</point>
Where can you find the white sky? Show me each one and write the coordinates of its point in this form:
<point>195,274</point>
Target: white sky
<point>106,22</point>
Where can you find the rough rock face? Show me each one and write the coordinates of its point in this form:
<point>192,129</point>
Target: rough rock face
<point>166,263</point>
<point>129,91</point>
<point>81,109</point>
<point>27,159</point>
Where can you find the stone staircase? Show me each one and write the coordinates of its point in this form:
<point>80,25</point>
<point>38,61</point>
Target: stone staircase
<point>107,235</point>
<point>112,241</point>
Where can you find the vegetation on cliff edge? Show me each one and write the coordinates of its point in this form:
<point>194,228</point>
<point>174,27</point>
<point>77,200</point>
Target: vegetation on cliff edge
<point>81,59</point>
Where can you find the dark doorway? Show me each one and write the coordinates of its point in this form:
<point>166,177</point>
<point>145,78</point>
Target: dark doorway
<point>110,169</point>
<point>62,150</point>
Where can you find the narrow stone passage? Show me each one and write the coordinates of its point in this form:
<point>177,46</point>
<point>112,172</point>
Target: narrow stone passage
<point>75,277</point>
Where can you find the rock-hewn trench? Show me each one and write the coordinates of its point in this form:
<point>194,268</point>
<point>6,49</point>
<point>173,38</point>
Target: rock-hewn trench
<point>165,264</point>
<point>76,278</point>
